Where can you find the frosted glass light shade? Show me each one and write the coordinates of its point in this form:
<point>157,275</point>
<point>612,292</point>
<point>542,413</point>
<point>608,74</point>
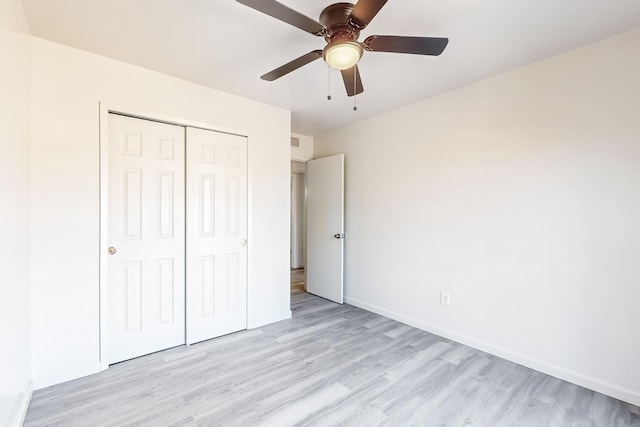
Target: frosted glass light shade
<point>342,54</point>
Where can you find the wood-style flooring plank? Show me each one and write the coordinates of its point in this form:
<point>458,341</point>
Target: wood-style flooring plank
<point>329,365</point>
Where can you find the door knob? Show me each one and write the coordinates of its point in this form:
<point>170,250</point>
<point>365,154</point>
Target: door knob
<point>338,236</point>
<point>112,250</point>
<point>244,242</point>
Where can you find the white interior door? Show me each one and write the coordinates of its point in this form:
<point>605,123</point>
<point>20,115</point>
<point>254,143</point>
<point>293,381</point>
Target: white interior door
<point>216,234</point>
<point>325,227</point>
<point>146,237</point>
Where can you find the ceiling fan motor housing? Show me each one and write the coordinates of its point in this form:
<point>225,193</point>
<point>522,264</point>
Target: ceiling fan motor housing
<point>336,20</point>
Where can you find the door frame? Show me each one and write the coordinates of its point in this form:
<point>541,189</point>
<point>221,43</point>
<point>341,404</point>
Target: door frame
<point>103,280</point>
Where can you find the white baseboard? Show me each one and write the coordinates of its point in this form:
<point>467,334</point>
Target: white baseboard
<point>265,320</point>
<point>24,405</point>
<point>14,406</point>
<point>613,390</point>
<point>66,375</point>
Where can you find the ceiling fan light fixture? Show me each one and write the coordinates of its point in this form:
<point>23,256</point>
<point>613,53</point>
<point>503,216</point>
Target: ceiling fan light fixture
<point>342,54</point>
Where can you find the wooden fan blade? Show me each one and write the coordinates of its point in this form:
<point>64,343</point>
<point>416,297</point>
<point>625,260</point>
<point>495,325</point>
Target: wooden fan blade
<point>352,81</point>
<point>402,44</point>
<point>285,14</point>
<point>292,66</point>
<point>364,11</point>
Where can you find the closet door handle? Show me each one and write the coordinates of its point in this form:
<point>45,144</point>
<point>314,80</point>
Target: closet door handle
<point>112,250</point>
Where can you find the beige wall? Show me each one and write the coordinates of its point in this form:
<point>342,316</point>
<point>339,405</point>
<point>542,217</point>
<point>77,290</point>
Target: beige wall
<point>68,85</point>
<point>520,196</point>
<point>15,74</point>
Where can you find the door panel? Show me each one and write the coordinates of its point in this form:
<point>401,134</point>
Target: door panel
<point>325,227</point>
<point>216,233</point>
<point>146,227</point>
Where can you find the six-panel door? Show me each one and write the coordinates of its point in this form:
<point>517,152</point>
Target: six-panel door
<point>216,234</point>
<point>147,237</point>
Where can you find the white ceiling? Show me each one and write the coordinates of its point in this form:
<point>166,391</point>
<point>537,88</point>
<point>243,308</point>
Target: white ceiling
<point>225,45</point>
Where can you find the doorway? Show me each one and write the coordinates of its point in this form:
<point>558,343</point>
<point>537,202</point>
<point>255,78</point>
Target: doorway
<point>317,195</point>
<point>298,225</point>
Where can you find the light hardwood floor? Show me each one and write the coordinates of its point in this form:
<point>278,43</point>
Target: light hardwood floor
<point>329,365</point>
<point>298,278</point>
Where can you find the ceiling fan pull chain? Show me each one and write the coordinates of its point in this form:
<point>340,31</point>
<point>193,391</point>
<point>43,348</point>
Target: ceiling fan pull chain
<point>329,74</point>
<point>355,88</point>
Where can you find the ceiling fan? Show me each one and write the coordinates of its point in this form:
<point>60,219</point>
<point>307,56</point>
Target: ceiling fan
<point>340,25</point>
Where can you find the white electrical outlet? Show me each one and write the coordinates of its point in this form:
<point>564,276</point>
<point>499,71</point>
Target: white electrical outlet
<point>445,299</point>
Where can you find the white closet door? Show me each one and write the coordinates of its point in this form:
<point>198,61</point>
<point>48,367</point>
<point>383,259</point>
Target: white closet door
<point>216,234</point>
<point>146,237</point>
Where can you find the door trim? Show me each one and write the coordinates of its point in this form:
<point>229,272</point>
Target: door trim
<point>103,280</point>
